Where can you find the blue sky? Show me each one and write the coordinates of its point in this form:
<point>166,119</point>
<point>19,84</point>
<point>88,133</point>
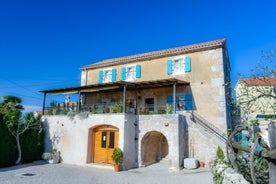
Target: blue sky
<point>44,43</point>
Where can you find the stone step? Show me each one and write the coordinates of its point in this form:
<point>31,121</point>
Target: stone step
<point>100,166</point>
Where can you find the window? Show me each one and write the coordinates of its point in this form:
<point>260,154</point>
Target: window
<point>149,104</point>
<point>111,139</point>
<point>107,75</point>
<point>179,65</point>
<point>131,72</point>
<point>103,139</point>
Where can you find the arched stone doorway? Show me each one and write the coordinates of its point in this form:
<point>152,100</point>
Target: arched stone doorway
<point>154,147</point>
<point>102,140</point>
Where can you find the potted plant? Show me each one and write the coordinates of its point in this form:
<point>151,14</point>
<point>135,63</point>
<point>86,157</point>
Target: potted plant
<point>117,157</point>
<point>52,157</point>
<point>169,109</point>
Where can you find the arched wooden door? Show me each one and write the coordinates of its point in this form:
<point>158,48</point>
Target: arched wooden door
<point>105,140</point>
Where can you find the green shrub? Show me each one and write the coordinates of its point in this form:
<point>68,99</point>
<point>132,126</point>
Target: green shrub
<point>261,168</point>
<point>117,156</point>
<point>220,154</point>
<point>32,144</point>
<point>169,109</point>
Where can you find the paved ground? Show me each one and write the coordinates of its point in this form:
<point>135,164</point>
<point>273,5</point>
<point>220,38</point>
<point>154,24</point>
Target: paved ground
<point>42,173</point>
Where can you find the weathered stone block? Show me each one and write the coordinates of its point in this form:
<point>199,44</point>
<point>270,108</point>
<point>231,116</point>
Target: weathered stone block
<point>190,163</point>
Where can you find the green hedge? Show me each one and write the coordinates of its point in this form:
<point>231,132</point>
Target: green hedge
<point>32,146</point>
<point>8,150</point>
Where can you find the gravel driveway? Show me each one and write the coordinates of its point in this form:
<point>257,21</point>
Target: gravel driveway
<point>42,173</point>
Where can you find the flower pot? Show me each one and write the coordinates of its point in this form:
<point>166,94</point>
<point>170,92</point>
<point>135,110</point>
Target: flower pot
<point>116,168</point>
<point>201,164</point>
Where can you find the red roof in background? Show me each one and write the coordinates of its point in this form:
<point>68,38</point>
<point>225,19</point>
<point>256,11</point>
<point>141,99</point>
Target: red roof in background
<point>260,81</point>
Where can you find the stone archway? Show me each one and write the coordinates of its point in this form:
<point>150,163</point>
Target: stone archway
<point>154,147</point>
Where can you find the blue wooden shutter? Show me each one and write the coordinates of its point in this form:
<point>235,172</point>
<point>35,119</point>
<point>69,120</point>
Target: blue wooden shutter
<point>124,73</point>
<point>187,64</point>
<point>188,102</point>
<point>138,71</point>
<point>169,67</point>
<point>169,100</point>
<point>114,74</point>
<point>100,76</point>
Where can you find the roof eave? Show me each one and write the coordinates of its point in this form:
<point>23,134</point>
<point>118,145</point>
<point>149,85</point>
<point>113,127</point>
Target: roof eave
<point>155,54</point>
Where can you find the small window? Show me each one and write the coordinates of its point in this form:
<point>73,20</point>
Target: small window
<point>130,73</point>
<point>149,104</point>
<point>178,66</point>
<point>111,139</point>
<point>103,139</point>
<point>107,75</point>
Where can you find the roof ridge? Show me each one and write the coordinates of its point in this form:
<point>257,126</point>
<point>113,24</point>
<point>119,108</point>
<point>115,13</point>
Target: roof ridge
<point>158,53</point>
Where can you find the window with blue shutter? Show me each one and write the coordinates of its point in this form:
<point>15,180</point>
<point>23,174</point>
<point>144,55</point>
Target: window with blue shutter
<point>169,67</point>
<point>100,80</point>
<point>124,73</point>
<point>114,71</point>
<point>138,71</point>
<point>187,64</point>
<point>188,102</point>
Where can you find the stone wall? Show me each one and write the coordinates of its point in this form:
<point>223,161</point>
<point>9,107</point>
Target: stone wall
<point>70,136</point>
<point>202,144</point>
<point>184,138</point>
<point>171,128</point>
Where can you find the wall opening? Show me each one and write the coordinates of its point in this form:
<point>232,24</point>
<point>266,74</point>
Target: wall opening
<point>154,147</point>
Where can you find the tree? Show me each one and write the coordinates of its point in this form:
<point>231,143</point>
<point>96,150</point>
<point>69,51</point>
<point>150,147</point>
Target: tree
<point>11,113</point>
<point>252,100</point>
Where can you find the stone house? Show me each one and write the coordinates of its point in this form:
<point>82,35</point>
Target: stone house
<point>169,104</point>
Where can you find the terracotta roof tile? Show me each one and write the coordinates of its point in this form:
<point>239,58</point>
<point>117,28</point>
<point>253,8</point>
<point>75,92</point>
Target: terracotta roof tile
<point>259,81</point>
<point>156,54</point>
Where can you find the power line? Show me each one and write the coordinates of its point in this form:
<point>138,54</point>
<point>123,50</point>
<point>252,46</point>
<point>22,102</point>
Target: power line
<point>20,86</point>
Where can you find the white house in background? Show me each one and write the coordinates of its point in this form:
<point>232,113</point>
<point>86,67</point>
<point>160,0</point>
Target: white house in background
<point>170,104</point>
<point>256,99</point>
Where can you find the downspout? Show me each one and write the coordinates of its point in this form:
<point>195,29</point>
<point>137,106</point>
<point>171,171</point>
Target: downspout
<point>79,104</point>
<point>174,98</point>
<point>124,99</point>
<point>86,73</point>
<point>43,106</point>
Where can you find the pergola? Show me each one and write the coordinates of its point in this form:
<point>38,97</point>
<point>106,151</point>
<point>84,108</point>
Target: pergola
<point>117,86</point>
